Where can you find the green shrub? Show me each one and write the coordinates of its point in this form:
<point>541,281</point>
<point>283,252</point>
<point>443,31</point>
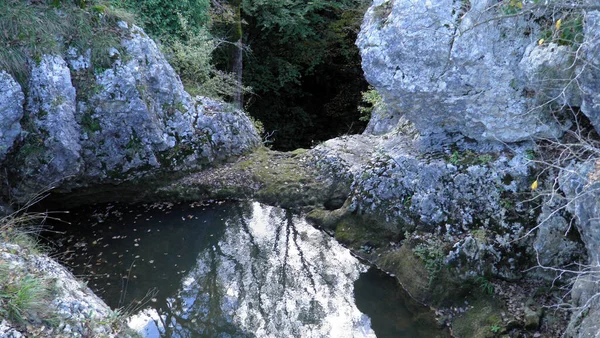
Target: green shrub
<point>566,32</point>
<point>191,57</point>
<point>373,100</point>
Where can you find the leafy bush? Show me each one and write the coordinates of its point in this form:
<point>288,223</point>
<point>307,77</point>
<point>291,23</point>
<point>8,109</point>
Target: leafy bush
<point>373,100</point>
<point>191,57</point>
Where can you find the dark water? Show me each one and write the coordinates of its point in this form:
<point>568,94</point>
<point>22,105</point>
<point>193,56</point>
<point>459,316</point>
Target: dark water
<point>232,270</point>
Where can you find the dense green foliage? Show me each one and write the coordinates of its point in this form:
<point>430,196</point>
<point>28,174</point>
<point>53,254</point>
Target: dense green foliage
<point>183,30</point>
<point>303,68</point>
<point>170,20</point>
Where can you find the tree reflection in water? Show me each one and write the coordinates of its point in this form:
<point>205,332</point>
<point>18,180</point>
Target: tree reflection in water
<point>269,275</point>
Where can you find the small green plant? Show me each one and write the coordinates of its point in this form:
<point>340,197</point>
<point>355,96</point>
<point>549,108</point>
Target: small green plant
<point>506,204</point>
<point>454,158</point>
<point>485,285</point>
<point>383,11</point>
<point>90,124</point>
<point>469,157</point>
<point>566,31</point>
<point>511,7</point>
<point>407,201</point>
<point>433,256</point>
<point>372,100</point>
<point>495,328</point>
<point>530,154</point>
<point>485,158</point>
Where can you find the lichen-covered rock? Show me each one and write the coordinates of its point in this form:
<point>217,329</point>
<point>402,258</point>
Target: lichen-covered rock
<point>580,183</point>
<point>552,245</point>
<point>457,70</point>
<point>384,120</point>
<point>73,308</point>
<point>50,110</point>
<point>474,200</point>
<point>86,127</point>
<point>11,112</point>
<point>589,82</point>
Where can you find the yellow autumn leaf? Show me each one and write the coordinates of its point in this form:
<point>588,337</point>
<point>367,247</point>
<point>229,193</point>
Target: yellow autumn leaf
<point>541,42</point>
<point>558,23</point>
<point>520,4</point>
<point>534,185</point>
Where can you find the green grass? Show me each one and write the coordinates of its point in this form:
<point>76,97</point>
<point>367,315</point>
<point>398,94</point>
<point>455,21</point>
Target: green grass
<point>28,31</point>
<point>21,295</point>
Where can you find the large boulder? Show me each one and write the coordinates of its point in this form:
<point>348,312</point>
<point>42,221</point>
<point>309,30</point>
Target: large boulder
<point>51,109</point>
<point>11,111</point>
<point>472,201</point>
<point>466,70</point>
<point>590,68</point>
<point>86,125</point>
<point>579,183</point>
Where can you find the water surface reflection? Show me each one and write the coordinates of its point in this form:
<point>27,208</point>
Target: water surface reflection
<point>227,270</point>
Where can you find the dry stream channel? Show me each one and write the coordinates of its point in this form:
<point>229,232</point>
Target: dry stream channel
<point>232,269</point>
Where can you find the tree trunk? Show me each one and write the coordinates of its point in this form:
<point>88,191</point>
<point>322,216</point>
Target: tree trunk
<point>237,64</point>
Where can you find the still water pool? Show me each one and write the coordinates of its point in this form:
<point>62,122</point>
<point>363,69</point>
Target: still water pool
<point>234,269</point>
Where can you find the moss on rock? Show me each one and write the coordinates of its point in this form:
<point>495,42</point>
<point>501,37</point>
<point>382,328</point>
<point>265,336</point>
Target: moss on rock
<point>483,320</point>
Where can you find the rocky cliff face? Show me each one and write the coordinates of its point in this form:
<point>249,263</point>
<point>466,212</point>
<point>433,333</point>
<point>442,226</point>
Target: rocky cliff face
<point>447,162</point>
<point>580,183</point>
<point>467,70</point>
<point>76,127</point>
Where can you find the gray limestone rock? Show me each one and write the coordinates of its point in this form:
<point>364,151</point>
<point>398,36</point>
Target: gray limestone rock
<point>553,246</point>
<point>11,112</point>
<point>72,302</point>
<point>580,183</point>
<point>589,81</point>
<point>51,107</point>
<point>455,70</point>
<point>89,126</point>
<point>452,194</point>
<point>532,317</point>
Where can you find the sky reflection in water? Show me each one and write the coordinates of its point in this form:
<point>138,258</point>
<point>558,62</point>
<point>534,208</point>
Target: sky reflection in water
<point>229,270</point>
